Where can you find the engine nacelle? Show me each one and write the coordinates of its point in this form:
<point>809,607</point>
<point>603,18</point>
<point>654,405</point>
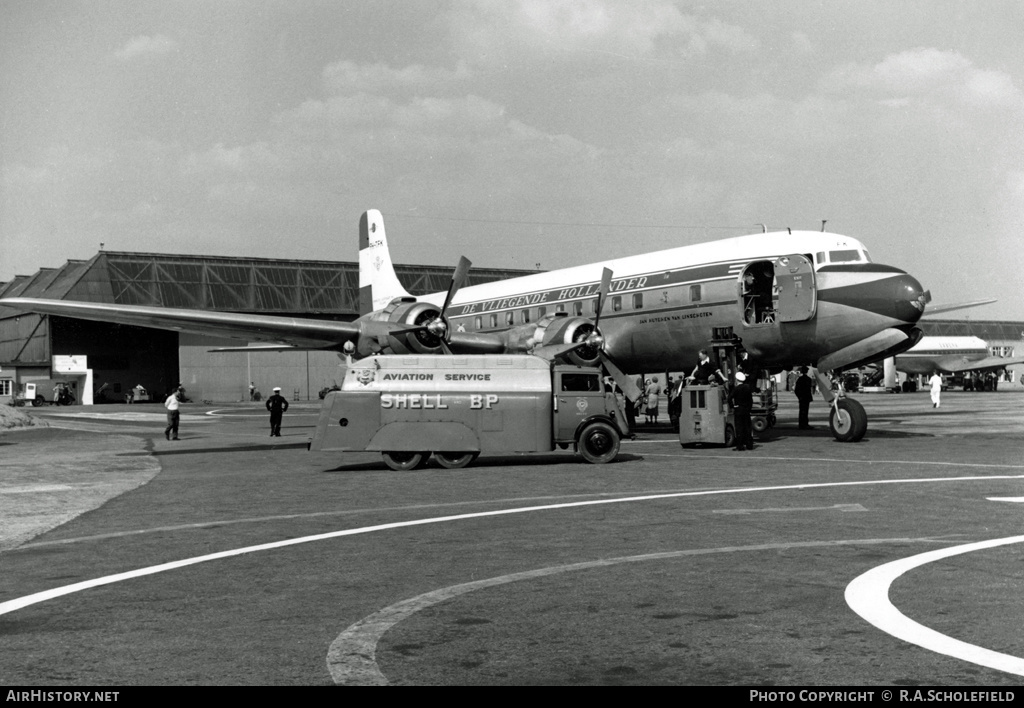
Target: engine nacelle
<point>559,328</point>
<point>408,312</point>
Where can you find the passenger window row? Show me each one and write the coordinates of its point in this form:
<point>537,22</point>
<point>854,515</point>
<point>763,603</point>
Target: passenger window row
<point>530,314</point>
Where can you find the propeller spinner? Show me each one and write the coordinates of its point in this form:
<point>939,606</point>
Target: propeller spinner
<point>436,326</point>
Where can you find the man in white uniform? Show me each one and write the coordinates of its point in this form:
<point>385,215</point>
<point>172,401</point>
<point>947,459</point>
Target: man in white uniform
<point>936,386</point>
<point>172,404</point>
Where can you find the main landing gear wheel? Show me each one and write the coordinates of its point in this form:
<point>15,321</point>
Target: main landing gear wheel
<point>455,460</point>
<point>402,461</point>
<point>599,443</point>
<point>848,421</point>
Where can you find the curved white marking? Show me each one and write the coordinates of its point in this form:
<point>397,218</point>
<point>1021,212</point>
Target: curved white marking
<point>868,596</point>
<point>352,657</point>
<point>21,602</point>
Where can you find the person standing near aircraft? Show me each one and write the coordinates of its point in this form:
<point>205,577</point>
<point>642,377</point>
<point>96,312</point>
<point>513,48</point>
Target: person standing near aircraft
<point>675,402</point>
<point>277,405</point>
<point>804,390</point>
<point>742,400</point>
<point>935,383</point>
<point>705,370</point>
<point>653,394</point>
<point>172,404</point>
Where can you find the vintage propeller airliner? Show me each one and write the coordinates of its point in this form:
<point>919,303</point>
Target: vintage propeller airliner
<point>952,355</point>
<point>794,298</point>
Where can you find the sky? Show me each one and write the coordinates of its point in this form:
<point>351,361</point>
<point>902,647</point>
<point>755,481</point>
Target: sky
<point>519,133</point>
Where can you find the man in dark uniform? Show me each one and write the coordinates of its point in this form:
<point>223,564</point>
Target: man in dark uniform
<point>277,406</point>
<point>804,389</point>
<point>741,398</point>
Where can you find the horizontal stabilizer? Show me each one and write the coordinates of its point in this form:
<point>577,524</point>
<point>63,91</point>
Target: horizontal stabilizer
<point>937,309</point>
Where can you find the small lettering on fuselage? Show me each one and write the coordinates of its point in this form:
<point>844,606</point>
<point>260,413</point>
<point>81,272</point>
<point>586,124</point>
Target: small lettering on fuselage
<point>671,318</point>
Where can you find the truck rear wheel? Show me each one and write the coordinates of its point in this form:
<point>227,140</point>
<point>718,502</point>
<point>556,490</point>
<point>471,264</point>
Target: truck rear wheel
<point>599,443</point>
<point>455,460</point>
<point>38,401</point>
<point>403,461</point>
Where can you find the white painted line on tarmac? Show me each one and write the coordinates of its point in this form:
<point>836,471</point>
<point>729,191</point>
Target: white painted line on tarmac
<point>834,507</point>
<point>1018,500</point>
<point>35,598</point>
<point>153,417</point>
<point>232,413</point>
<point>868,596</point>
<point>36,489</point>
<point>755,458</point>
<point>352,657</point>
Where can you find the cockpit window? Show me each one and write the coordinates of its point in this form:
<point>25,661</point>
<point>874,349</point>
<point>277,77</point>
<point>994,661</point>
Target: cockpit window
<point>867,256</point>
<point>849,256</point>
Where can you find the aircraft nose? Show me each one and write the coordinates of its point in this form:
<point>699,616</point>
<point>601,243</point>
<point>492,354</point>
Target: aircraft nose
<point>880,289</point>
<point>909,298</point>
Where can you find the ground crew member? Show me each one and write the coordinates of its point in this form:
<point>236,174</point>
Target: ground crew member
<point>705,370</point>
<point>675,402</point>
<point>804,389</point>
<point>742,400</point>
<point>935,382</point>
<point>277,406</point>
<point>172,403</point>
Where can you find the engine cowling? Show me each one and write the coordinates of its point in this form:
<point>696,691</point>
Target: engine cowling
<point>407,313</point>
<point>559,329</point>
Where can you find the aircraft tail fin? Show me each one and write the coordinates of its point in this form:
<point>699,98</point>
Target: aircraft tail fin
<point>378,284</point>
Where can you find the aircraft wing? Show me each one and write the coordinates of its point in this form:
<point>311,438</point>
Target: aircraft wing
<point>298,332</point>
<point>989,362</point>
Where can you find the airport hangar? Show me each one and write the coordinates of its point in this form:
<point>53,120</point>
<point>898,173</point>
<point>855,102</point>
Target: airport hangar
<point>110,359</point>
<point>41,348</point>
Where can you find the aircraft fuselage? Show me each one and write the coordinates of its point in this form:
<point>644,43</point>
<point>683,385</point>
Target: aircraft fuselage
<point>817,293</point>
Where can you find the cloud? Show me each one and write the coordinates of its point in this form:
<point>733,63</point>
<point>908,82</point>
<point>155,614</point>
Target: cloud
<point>929,77</point>
<point>494,32</point>
<point>346,77</point>
<point>143,46</point>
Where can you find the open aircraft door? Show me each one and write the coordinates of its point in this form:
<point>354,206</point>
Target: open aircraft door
<point>796,290</point>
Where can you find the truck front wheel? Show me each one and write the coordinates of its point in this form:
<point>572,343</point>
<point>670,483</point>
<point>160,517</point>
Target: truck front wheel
<point>455,460</point>
<point>403,461</point>
<point>599,443</point>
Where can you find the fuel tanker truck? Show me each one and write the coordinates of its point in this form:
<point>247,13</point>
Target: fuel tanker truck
<point>457,407</point>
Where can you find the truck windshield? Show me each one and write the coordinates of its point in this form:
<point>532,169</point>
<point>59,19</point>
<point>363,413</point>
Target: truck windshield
<point>580,382</point>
